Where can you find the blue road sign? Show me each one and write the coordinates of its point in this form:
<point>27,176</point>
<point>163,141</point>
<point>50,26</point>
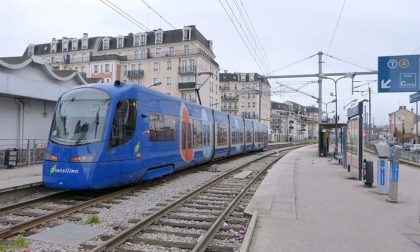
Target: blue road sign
<point>415,97</point>
<point>399,73</point>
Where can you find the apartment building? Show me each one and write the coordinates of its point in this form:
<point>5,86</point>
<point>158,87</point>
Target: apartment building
<point>175,62</point>
<point>246,95</point>
<point>291,121</point>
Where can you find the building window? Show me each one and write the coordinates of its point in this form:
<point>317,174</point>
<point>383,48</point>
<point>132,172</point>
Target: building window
<point>95,69</point>
<point>143,54</point>
<point>168,81</point>
<point>158,37</point>
<point>53,47</point>
<point>186,33</point>
<point>251,77</point>
<point>120,42</point>
<point>74,44</point>
<point>171,51</point>
<point>243,77</point>
<point>105,43</point>
<point>136,54</point>
<point>140,66</point>
<point>169,65</point>
<point>107,68</point>
<point>136,40</point>
<point>84,44</point>
<point>125,72</point>
<point>186,49</point>
<point>155,66</point>
<point>155,80</point>
<point>65,46</point>
<point>143,39</point>
<point>158,52</point>
<point>31,49</point>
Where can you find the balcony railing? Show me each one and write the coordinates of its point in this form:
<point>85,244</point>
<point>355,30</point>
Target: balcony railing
<point>230,98</point>
<point>135,73</point>
<point>186,85</point>
<point>108,57</point>
<point>187,69</point>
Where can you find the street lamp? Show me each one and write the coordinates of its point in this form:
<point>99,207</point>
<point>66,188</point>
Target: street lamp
<point>326,106</point>
<point>336,109</point>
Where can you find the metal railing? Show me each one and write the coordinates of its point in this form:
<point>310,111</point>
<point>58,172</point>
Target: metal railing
<point>30,151</point>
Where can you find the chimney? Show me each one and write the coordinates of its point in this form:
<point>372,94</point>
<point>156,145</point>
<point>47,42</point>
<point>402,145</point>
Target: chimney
<point>225,71</point>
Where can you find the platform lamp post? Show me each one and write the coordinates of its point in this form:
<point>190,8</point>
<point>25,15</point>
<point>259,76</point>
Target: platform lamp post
<point>349,75</point>
<point>326,107</point>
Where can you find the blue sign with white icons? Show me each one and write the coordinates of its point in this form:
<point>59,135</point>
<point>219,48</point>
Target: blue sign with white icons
<point>395,171</point>
<point>399,73</point>
<point>414,97</point>
<point>382,172</point>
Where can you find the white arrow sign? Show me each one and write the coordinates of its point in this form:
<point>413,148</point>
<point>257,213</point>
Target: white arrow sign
<point>386,84</point>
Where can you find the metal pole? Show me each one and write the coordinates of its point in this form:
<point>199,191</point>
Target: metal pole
<point>259,102</point>
<point>417,122</point>
<point>319,98</point>
<point>336,120</point>
<point>370,117</point>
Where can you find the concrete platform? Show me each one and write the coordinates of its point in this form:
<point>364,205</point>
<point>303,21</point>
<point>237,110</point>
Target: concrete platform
<point>20,177</point>
<point>307,203</point>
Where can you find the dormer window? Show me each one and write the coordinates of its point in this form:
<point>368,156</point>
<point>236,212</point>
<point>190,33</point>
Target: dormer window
<point>120,42</point>
<point>53,45</point>
<point>243,77</point>
<point>251,77</point>
<point>136,40</point>
<point>143,39</point>
<point>105,43</point>
<point>65,45</point>
<point>74,44</point>
<point>31,49</point>
<point>85,41</point>
<point>186,33</point>
<point>158,37</point>
<point>210,45</point>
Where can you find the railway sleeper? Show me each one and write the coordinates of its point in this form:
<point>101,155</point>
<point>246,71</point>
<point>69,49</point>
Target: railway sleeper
<point>208,207</point>
<point>207,202</point>
<point>195,235</point>
<point>27,214</point>
<point>181,245</point>
<point>192,218</point>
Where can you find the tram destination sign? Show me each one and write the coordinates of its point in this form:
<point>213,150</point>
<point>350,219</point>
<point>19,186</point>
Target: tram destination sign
<point>399,73</point>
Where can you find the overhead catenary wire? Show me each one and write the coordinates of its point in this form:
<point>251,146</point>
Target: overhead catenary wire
<point>257,55</point>
<point>350,63</point>
<point>157,13</point>
<point>240,35</point>
<point>125,15</point>
<point>291,64</point>
<point>336,26</point>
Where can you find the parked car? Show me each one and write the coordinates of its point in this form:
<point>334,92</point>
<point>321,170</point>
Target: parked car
<point>408,146</point>
<point>416,147</point>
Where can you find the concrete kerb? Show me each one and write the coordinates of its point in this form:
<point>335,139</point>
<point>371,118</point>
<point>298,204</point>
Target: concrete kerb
<point>249,233</point>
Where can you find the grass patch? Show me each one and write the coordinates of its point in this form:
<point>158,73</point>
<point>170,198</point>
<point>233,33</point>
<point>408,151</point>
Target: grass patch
<point>93,219</point>
<point>19,242</point>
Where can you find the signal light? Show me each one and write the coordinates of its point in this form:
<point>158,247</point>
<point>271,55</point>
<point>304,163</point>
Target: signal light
<point>50,157</point>
<point>83,159</point>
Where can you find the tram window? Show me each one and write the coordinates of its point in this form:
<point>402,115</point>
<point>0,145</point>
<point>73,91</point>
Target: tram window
<point>221,134</point>
<point>248,136</point>
<point>197,133</point>
<point>123,123</point>
<point>234,136</point>
<point>161,127</point>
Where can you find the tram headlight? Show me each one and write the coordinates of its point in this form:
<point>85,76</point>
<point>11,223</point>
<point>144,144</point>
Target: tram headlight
<point>83,158</point>
<point>50,157</point>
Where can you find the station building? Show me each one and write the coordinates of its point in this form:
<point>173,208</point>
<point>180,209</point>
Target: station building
<point>178,60</point>
<point>29,89</point>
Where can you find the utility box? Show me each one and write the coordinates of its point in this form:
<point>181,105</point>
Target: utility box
<point>10,157</point>
<point>382,172</point>
<point>394,167</point>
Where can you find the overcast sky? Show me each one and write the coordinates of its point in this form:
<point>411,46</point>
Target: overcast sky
<point>288,31</point>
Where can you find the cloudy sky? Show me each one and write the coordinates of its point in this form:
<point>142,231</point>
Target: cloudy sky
<point>289,31</point>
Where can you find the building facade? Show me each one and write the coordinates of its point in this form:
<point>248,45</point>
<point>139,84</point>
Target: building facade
<point>402,125</point>
<point>291,121</point>
<point>175,62</point>
<point>246,95</point>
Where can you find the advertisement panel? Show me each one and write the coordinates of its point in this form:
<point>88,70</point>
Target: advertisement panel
<point>352,148</point>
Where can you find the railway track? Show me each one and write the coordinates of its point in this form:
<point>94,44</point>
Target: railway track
<point>30,216</point>
<point>209,218</point>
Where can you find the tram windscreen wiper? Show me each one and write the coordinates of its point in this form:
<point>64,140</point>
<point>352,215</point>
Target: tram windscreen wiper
<point>85,130</point>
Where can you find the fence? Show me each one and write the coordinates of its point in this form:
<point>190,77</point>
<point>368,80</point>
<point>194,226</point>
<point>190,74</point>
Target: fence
<point>30,151</point>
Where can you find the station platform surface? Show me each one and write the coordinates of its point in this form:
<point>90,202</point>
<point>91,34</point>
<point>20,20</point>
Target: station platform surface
<point>309,203</point>
<point>20,177</point>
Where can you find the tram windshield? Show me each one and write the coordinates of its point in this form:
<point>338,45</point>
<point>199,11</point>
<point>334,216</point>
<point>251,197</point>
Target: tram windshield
<point>80,117</point>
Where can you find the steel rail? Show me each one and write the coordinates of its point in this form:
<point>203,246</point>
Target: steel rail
<point>126,234</point>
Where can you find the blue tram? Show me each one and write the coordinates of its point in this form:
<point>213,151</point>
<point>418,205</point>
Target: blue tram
<point>105,135</point>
